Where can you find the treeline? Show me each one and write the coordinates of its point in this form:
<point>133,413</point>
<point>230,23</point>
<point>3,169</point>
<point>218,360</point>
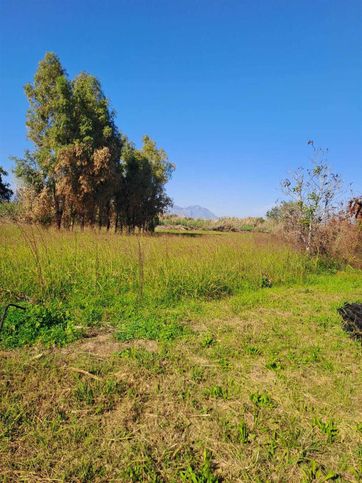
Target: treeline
<point>82,169</point>
<point>225,224</point>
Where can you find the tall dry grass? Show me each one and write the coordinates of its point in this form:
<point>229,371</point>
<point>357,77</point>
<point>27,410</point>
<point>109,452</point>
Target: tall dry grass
<point>39,263</point>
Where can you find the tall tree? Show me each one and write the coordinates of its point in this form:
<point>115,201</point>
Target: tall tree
<point>5,191</point>
<point>87,169</point>
<point>50,124</point>
<point>141,196</point>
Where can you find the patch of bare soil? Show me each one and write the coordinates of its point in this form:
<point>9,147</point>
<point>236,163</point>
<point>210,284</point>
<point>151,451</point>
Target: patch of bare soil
<point>104,345</point>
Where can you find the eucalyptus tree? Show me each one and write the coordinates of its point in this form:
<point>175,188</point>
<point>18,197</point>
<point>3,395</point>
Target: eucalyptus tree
<point>141,196</point>
<point>50,128</point>
<point>5,191</point>
<point>81,168</point>
<point>88,167</point>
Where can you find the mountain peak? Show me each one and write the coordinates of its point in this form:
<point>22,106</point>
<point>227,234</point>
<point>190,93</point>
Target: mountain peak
<point>194,211</point>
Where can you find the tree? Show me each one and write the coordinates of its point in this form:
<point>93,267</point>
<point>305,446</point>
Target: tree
<point>141,197</point>
<point>280,212</point>
<point>87,169</point>
<point>5,191</point>
<point>50,124</point>
<point>314,194</point>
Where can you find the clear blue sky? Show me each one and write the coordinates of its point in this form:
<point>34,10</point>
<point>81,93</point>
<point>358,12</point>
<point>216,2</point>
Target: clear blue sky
<point>231,89</point>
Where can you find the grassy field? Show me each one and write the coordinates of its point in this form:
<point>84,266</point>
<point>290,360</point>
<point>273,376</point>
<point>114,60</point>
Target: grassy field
<point>198,358</point>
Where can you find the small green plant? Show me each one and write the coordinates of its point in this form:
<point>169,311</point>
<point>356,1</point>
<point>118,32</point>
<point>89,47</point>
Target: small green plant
<point>102,395</point>
<point>217,392</point>
<point>274,365</point>
<point>253,350</point>
<point>272,444</point>
<point>198,374</point>
<point>208,340</point>
<point>202,474</point>
<point>312,356</point>
<point>243,432</point>
<point>84,392</point>
<point>224,363</point>
<point>328,427</point>
<point>316,472</point>
<point>261,399</point>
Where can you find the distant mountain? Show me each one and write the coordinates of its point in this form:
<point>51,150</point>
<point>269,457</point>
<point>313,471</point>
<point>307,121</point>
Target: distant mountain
<point>192,212</point>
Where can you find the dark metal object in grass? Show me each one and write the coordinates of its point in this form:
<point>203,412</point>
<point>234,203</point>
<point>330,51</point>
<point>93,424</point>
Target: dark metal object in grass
<point>352,319</point>
<point>6,311</point>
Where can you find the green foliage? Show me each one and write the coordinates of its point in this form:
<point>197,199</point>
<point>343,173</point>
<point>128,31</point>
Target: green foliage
<point>313,201</point>
<point>217,392</point>
<point>274,364</point>
<point>266,281</point>
<point>261,399</point>
<point>82,170</point>
<point>9,210</point>
<point>49,325</point>
<point>243,432</point>
<point>140,196</point>
<point>203,474</point>
<point>148,323</point>
<point>5,191</point>
<point>316,472</point>
<point>148,287</point>
<point>328,427</point>
<point>208,340</point>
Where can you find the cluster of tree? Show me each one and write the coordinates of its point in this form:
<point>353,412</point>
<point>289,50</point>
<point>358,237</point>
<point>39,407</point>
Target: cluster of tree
<point>82,169</point>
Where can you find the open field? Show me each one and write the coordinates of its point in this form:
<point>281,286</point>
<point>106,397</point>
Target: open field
<point>203,358</point>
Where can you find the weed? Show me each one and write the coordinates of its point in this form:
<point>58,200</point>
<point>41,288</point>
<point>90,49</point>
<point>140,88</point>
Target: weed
<point>328,427</point>
<point>49,324</point>
<point>202,474</point>
<point>102,395</point>
<point>274,364</point>
<point>84,392</point>
<point>217,392</point>
<point>261,399</point>
<point>198,374</point>
<point>208,340</point>
<point>253,350</point>
<point>243,432</point>
<point>146,324</point>
<point>316,472</point>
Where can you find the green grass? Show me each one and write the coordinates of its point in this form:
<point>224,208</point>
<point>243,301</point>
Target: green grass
<point>204,359</point>
<point>143,286</point>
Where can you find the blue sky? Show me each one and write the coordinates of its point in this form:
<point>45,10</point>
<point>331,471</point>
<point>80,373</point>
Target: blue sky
<point>231,89</point>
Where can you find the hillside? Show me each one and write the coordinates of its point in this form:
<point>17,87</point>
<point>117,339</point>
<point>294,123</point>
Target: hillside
<point>195,211</point>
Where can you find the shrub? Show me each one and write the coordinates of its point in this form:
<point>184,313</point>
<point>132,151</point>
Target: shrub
<point>50,325</point>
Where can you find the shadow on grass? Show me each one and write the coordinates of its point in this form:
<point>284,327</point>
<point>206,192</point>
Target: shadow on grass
<point>183,234</point>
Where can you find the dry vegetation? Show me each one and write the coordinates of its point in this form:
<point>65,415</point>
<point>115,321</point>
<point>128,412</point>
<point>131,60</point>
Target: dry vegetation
<point>225,224</point>
<point>197,358</point>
